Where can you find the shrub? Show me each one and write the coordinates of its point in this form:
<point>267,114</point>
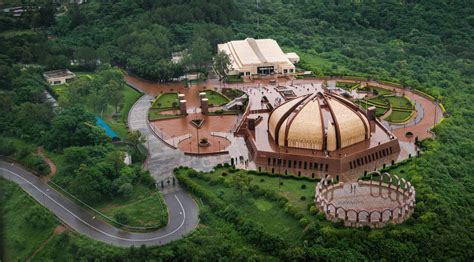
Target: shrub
<point>224,174</point>
<point>313,210</point>
<point>302,198</point>
<point>193,173</point>
<point>281,183</point>
<point>37,218</point>
<point>121,217</point>
<point>304,222</point>
<point>126,190</point>
<point>262,180</point>
<point>36,163</point>
<point>303,186</point>
<point>7,148</point>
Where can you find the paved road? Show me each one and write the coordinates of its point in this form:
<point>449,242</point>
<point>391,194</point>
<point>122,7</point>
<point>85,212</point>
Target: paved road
<point>183,212</point>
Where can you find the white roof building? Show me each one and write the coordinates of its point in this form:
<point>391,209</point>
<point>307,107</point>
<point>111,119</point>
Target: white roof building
<point>57,77</point>
<point>258,56</point>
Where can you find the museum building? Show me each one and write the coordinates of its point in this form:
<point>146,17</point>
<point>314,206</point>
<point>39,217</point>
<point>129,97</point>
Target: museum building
<point>318,134</point>
<point>251,57</point>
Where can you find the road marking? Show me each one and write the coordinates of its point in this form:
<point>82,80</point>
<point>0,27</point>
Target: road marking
<point>99,230</point>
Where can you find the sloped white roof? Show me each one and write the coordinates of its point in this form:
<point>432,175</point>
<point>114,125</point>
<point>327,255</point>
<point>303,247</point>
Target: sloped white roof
<point>251,51</point>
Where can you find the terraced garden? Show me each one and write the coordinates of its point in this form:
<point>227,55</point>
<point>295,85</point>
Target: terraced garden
<point>402,107</point>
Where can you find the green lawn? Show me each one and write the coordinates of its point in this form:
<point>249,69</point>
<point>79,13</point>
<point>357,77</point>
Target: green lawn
<point>215,98</point>
<point>346,86</point>
<point>166,100</point>
<point>232,93</point>
<point>26,224</point>
<point>119,124</point>
<point>379,111</point>
<point>144,209</point>
<point>379,101</point>
<point>59,89</point>
<point>234,79</point>
<point>399,101</point>
<point>398,116</point>
<point>380,91</point>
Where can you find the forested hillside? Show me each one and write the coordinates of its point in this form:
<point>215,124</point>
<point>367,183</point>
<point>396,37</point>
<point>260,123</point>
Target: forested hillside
<point>424,44</point>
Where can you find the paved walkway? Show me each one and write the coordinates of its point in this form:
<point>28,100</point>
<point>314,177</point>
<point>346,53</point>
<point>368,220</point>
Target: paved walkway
<point>183,212</point>
<point>162,158</point>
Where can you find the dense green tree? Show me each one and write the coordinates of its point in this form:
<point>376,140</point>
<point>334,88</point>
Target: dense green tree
<point>200,55</point>
<point>73,127</point>
<point>222,65</point>
<point>113,93</point>
<point>88,184</point>
<point>32,121</point>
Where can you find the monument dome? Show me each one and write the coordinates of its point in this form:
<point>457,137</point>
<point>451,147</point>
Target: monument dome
<point>318,122</point>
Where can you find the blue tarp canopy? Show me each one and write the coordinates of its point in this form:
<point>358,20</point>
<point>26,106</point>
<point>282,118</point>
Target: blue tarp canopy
<point>108,131</point>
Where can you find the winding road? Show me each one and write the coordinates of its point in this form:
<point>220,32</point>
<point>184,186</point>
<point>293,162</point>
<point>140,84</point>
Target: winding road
<point>183,212</point>
<point>182,209</point>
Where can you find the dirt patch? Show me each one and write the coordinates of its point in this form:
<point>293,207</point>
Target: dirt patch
<point>59,229</point>
<point>52,166</point>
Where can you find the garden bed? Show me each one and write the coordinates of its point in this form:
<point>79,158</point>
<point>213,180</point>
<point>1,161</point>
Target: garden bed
<point>216,98</point>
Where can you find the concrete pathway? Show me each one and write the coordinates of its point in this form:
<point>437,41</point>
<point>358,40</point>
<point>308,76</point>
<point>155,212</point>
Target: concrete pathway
<point>162,158</point>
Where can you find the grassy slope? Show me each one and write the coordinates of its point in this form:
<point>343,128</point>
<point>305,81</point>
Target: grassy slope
<point>130,95</point>
<point>143,208</point>
<point>267,213</point>
<point>291,189</point>
<point>22,237</point>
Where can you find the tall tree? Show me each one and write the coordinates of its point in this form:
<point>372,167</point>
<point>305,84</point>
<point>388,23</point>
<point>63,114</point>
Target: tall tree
<point>222,65</point>
<point>200,55</point>
<point>113,92</point>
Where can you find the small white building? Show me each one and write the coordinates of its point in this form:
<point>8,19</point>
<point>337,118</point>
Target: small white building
<point>58,77</point>
<point>258,57</point>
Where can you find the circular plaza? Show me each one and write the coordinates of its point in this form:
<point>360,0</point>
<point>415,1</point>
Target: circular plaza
<point>375,200</point>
